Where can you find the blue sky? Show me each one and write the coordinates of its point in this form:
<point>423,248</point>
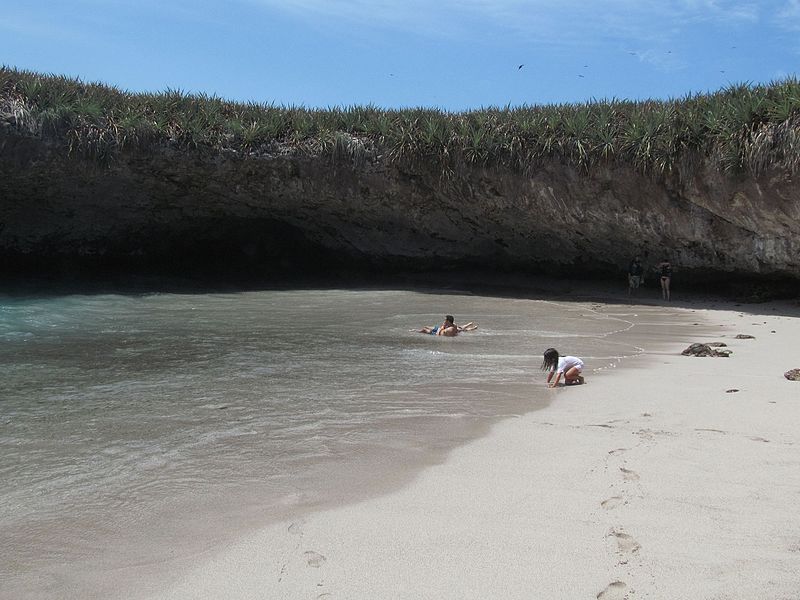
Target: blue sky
<point>451,54</point>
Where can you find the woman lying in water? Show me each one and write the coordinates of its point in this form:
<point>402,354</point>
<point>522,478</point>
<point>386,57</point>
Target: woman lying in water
<point>448,328</point>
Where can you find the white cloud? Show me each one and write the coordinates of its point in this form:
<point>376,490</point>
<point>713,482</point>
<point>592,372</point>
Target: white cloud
<point>663,61</point>
<point>725,9</point>
<point>378,12</point>
<point>788,16</point>
<point>791,8</point>
<point>37,27</point>
<point>548,21</point>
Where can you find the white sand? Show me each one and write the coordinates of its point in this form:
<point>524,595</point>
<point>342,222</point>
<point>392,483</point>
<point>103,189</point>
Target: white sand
<point>647,483</point>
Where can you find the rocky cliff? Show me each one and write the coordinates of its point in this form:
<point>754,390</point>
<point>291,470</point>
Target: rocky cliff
<point>277,212</point>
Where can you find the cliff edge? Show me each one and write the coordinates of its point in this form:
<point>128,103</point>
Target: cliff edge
<point>353,203</point>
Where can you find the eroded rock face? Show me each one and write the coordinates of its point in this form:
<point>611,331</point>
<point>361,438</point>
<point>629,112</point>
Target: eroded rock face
<point>288,210</point>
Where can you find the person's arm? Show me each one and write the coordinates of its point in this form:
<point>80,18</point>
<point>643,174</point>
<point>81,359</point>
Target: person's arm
<point>556,380</point>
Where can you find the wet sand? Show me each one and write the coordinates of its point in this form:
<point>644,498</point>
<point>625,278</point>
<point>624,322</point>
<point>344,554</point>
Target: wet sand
<point>655,481</point>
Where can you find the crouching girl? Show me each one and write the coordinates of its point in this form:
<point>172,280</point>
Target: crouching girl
<point>568,366</point>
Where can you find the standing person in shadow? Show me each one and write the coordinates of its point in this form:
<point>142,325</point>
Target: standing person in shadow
<point>665,270</point>
<point>634,276</point>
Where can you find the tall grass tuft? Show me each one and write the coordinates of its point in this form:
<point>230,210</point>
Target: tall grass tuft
<point>743,128</point>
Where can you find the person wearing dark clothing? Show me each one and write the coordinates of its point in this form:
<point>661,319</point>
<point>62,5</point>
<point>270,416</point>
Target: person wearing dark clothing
<point>634,276</point>
<point>665,269</point>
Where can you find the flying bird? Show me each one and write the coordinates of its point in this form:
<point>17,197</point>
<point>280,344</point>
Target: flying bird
<point>581,76</point>
<point>519,67</point>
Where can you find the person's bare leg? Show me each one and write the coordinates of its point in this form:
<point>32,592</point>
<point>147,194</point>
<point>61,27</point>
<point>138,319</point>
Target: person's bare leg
<point>573,376</point>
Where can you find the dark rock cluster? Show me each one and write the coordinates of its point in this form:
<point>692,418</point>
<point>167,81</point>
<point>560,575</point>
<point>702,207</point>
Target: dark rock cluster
<point>706,350</point>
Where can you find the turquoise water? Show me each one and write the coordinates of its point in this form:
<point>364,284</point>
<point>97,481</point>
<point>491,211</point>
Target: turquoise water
<point>122,414</point>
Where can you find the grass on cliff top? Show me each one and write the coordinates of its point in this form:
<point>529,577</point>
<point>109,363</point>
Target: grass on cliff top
<point>742,128</point>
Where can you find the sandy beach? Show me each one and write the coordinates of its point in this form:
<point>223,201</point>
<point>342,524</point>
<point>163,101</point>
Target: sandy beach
<point>671,477</point>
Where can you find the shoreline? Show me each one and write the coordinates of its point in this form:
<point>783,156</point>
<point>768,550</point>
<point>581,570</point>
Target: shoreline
<point>654,483</point>
<point>141,554</point>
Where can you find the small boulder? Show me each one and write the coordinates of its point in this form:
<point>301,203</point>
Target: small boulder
<point>792,375</point>
<point>704,350</point>
<point>696,350</point>
<point>744,336</point>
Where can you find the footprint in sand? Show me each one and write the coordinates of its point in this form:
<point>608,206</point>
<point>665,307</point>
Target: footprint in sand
<point>649,434</point>
<point>314,559</point>
<point>295,528</point>
<point>629,475</point>
<point>611,503</point>
<point>759,439</point>
<point>616,451</point>
<point>614,591</point>
<point>625,543</point>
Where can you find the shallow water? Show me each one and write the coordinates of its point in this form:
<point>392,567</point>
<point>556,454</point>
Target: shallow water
<point>139,429</point>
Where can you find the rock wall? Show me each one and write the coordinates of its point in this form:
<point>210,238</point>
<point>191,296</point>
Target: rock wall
<point>284,212</point>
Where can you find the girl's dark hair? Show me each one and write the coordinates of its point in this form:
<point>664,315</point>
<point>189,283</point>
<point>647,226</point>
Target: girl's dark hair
<point>550,359</point>
<point>449,319</point>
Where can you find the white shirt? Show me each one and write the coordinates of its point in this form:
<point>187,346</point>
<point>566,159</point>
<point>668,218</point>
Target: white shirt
<point>565,363</point>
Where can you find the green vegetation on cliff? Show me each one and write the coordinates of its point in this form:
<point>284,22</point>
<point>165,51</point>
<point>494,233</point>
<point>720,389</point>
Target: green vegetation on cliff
<point>743,128</point>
